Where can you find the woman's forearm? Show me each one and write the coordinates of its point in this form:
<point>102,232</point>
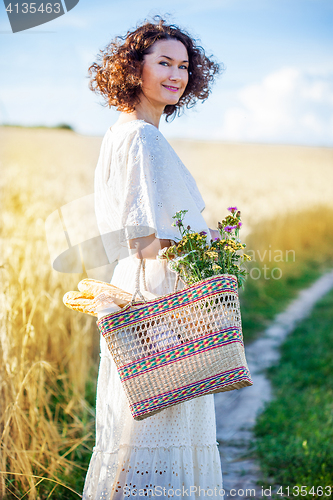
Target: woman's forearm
<point>214,233</point>
<point>148,247</point>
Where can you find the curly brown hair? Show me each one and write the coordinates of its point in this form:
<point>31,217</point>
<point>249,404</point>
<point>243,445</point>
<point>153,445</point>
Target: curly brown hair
<point>117,74</point>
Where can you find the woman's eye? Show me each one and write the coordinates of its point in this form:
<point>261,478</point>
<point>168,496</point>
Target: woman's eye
<point>165,63</point>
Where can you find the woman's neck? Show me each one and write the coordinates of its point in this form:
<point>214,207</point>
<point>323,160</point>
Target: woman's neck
<point>143,111</point>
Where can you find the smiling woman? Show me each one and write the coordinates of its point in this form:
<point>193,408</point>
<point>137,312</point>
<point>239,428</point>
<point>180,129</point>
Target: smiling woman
<point>164,75</point>
<point>139,184</point>
<point>117,74</point>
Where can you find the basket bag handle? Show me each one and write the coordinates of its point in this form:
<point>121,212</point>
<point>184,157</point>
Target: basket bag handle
<point>142,265</point>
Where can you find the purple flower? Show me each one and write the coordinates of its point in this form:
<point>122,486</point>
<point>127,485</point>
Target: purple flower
<point>239,224</point>
<point>216,239</point>
<point>232,209</point>
<point>203,233</point>
<point>179,223</point>
<point>228,229</point>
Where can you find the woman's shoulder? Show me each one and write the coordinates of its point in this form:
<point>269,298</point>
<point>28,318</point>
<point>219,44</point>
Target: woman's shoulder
<point>139,130</point>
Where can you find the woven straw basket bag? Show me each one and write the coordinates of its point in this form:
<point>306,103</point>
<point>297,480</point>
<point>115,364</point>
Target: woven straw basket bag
<point>180,346</point>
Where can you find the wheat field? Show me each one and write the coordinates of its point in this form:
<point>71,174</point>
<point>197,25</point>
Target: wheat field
<point>49,354</point>
<point>264,181</point>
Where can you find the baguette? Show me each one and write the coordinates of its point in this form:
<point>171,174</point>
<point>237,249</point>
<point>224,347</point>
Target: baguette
<point>80,301</point>
<point>95,287</point>
<point>86,302</point>
<point>119,296</point>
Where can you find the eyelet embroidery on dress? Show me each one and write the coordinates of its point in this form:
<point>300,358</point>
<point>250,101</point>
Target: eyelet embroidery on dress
<point>200,466</point>
<point>151,159</point>
<point>177,447</point>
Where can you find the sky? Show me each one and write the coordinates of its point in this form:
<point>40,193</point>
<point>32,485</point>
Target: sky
<point>277,85</point>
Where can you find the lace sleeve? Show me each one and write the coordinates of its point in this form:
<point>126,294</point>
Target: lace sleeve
<point>155,187</point>
<point>143,210</point>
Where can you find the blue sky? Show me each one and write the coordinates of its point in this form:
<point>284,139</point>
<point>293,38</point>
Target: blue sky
<point>277,86</point>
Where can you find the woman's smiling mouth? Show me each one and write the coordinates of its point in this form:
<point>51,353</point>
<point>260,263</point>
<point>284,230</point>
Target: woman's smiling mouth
<point>172,89</point>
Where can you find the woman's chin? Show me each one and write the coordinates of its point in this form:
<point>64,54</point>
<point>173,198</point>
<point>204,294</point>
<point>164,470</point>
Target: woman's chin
<point>172,102</point>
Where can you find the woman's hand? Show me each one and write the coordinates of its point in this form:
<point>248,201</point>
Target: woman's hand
<point>147,247</point>
<point>214,233</point>
<point>94,296</point>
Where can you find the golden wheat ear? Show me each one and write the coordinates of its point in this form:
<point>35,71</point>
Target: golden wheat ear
<point>80,301</point>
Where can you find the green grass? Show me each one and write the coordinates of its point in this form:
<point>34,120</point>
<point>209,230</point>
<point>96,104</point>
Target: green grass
<point>80,456</point>
<point>301,256</point>
<point>261,300</point>
<point>295,432</point>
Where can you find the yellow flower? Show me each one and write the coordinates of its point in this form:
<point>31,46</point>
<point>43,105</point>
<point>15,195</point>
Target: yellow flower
<point>211,254</point>
<point>216,267</point>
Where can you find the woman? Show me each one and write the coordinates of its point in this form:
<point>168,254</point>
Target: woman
<point>139,185</point>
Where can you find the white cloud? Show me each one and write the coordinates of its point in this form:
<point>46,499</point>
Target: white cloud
<point>286,106</point>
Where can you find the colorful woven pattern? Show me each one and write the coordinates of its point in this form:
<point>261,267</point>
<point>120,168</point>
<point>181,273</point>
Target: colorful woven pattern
<point>206,288</point>
<point>213,384</point>
<point>172,355</point>
<point>183,345</point>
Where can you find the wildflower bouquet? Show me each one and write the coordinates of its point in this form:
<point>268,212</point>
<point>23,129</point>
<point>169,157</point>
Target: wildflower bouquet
<point>194,260</point>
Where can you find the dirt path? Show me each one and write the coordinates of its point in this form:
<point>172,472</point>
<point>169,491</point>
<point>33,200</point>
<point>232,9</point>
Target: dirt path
<point>236,410</point>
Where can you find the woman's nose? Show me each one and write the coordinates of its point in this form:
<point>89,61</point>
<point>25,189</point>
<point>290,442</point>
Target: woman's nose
<point>175,74</point>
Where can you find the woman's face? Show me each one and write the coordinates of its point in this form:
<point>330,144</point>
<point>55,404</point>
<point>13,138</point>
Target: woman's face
<point>165,72</point>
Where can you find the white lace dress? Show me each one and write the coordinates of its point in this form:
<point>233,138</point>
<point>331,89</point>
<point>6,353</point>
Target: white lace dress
<point>140,183</point>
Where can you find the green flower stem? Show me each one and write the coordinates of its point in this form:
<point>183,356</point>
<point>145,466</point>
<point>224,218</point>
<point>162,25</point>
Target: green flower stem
<point>197,263</point>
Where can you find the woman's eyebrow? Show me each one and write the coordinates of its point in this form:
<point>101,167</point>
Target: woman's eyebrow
<point>171,59</point>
